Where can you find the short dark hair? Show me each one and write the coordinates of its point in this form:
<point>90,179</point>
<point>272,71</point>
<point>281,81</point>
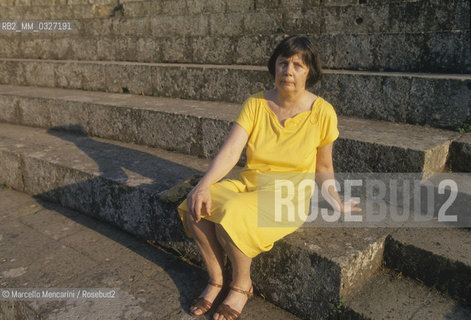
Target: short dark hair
<point>298,44</point>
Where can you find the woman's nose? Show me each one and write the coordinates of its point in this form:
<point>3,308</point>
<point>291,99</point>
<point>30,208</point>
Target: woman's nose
<point>289,68</point>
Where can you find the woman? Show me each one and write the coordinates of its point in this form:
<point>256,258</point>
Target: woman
<point>287,130</point>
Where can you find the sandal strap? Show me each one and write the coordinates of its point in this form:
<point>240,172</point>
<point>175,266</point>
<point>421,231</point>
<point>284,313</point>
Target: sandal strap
<point>202,304</point>
<point>227,312</point>
<point>247,293</point>
<point>214,284</point>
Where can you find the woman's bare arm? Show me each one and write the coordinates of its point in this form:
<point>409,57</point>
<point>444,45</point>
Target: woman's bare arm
<point>224,161</point>
<point>227,156</point>
<point>325,172</point>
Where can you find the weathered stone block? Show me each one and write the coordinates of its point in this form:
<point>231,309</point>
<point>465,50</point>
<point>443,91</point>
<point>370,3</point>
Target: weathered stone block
<point>83,49</point>
<point>7,3</point>
<point>101,11</point>
<point>339,2</point>
<point>62,49</point>
<point>106,2</point>
<point>308,4</point>
<point>165,26</point>
<point>19,3</point>
<point>140,9</point>
<point>35,112</point>
<point>419,254</point>
<point>32,48</point>
<point>253,49</point>
<point>128,79</point>
<point>77,2</point>
<point>161,25</point>
<point>407,17</point>
<point>39,74</point>
<point>93,76</point>
<point>446,16</point>
<point>105,49</point>
<point>147,49</point>
<point>93,27</point>
<point>125,27</point>
<point>173,7</point>
<point>239,6</point>
<point>447,52</point>
<point>45,2</point>
<point>198,25</point>
<point>214,133</point>
<point>303,22</point>
<point>435,103</point>
<point>9,111</point>
<point>204,6</point>
<point>227,24</point>
<point>126,48</point>
<point>351,52</point>
<point>356,20</point>
<point>8,47</point>
<point>343,92</point>
<point>82,11</point>
<point>460,154</point>
<point>11,72</point>
<point>180,133</point>
<point>388,52</point>
<point>174,50</point>
<point>11,173</point>
<point>212,49</point>
<point>262,22</point>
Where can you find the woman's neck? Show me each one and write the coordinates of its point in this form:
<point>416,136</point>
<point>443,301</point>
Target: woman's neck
<point>291,100</point>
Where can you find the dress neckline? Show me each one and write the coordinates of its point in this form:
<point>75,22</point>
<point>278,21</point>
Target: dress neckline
<point>283,126</point>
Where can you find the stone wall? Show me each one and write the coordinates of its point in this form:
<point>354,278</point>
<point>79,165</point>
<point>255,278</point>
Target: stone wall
<point>380,35</point>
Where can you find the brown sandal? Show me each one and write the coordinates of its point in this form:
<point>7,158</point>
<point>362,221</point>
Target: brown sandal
<point>201,303</point>
<point>227,311</point>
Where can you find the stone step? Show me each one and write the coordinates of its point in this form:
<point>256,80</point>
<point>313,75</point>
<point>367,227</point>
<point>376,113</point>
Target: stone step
<point>312,17</point>
<point>461,146</point>
<point>387,295</point>
<point>199,128</point>
<point>358,37</point>
<point>438,100</point>
<point>52,10</point>
<point>132,187</point>
<point>128,186</point>
<point>40,240</point>
<point>438,257</point>
<point>147,41</point>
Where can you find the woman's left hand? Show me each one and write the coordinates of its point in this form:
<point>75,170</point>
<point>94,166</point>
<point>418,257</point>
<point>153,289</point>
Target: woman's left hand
<point>350,206</point>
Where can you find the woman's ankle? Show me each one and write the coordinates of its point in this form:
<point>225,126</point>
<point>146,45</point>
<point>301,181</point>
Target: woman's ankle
<point>244,284</point>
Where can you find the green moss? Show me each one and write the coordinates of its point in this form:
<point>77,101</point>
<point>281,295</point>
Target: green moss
<point>464,128</point>
<point>340,306</point>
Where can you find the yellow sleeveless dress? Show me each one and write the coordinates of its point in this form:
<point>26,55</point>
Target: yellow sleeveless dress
<point>244,206</point>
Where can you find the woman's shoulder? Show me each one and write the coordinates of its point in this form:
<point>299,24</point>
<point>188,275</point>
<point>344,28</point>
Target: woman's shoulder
<point>324,106</point>
<point>323,109</point>
<point>257,97</point>
<point>255,101</point>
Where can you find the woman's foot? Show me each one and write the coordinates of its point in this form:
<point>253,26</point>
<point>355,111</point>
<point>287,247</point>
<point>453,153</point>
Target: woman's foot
<point>235,301</point>
<point>203,303</point>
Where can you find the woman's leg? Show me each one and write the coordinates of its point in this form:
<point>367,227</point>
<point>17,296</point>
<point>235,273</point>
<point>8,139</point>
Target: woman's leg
<point>205,237</point>
<point>240,272</point>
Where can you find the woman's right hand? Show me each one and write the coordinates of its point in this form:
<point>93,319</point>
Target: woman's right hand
<point>198,197</point>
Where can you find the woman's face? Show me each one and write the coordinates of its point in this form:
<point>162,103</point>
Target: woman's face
<point>291,73</point>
